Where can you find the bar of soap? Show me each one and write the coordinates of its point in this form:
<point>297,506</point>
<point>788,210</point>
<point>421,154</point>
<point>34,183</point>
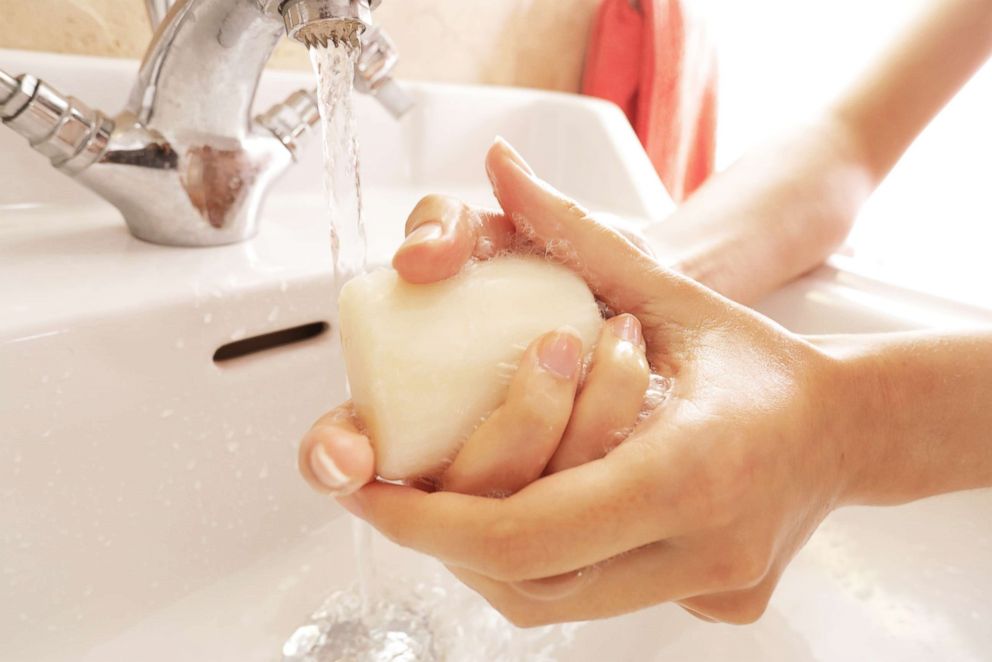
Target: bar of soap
<point>428,363</point>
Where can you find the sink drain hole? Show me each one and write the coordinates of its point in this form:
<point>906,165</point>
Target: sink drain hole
<point>267,341</point>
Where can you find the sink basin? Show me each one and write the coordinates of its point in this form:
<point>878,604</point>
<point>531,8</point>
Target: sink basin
<point>151,400</point>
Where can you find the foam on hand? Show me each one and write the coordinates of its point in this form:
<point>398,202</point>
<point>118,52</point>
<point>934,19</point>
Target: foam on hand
<point>428,363</point>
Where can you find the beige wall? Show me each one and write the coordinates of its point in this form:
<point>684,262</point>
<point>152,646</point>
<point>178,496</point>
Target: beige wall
<point>534,43</point>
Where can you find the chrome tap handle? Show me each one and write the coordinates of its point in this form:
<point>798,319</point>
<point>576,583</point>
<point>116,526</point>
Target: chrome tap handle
<point>375,66</point>
<point>70,133</point>
<point>8,86</point>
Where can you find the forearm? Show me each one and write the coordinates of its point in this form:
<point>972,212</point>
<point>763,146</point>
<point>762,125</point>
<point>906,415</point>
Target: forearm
<point>895,98</point>
<point>914,413</point>
<point>771,216</point>
<point>785,206</point>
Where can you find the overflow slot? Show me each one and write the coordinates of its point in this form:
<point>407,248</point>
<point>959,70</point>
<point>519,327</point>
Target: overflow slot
<point>267,341</point>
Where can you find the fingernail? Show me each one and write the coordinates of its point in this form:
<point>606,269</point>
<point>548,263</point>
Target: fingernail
<point>425,233</point>
<point>326,469</point>
<point>513,155</point>
<point>559,354</point>
<point>628,328</point>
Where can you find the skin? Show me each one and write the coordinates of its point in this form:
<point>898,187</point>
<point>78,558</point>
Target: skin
<point>710,497</point>
<point>707,499</point>
<point>789,203</point>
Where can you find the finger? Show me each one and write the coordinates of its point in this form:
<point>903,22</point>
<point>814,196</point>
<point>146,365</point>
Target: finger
<point>619,273</point>
<point>611,398</point>
<point>443,234</point>
<point>648,576</point>
<point>560,523</point>
<point>512,448</point>
<point>335,457</point>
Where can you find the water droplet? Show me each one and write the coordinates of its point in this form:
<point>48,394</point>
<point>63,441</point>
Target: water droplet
<point>208,318</point>
<point>239,333</point>
<point>232,446</point>
<point>191,465</point>
<point>264,472</point>
<point>180,343</point>
<point>301,642</point>
<point>273,314</point>
<point>166,413</point>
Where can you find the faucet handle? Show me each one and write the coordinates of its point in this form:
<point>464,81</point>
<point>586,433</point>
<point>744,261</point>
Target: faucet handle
<point>373,73</point>
<point>292,119</point>
<point>70,133</point>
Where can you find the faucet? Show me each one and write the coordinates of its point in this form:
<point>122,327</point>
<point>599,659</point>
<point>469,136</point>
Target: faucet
<point>184,162</point>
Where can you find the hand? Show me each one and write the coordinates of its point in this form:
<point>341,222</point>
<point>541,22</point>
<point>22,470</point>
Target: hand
<point>704,503</point>
<point>541,426</point>
<point>505,453</point>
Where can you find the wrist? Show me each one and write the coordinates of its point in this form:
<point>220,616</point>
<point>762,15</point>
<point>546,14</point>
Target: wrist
<point>855,406</point>
<point>774,215</point>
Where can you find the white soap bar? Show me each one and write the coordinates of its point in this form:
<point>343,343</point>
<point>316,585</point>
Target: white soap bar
<point>428,363</point>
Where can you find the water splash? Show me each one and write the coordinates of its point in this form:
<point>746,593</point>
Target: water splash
<point>426,621</point>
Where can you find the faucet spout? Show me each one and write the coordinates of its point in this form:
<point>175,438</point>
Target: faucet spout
<point>320,22</point>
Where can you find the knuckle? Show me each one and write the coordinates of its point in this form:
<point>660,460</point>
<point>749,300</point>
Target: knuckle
<point>734,609</point>
<point>433,206</point>
<point>542,411</point>
<point>522,615</point>
<point>631,376</point>
<point>739,569</point>
<point>746,611</point>
<point>750,567</point>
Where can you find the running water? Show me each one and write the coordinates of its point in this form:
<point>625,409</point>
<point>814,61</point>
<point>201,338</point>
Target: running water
<point>335,69</point>
<point>361,623</point>
<point>387,618</point>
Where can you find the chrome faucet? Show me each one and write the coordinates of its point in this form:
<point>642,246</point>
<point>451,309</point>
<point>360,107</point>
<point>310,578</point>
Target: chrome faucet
<point>184,162</point>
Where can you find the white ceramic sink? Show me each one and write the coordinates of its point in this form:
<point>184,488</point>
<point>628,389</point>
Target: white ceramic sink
<point>149,503</point>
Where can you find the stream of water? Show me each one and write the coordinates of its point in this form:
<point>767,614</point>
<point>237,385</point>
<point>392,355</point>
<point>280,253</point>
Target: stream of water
<point>335,69</point>
<point>362,623</point>
<point>387,618</point>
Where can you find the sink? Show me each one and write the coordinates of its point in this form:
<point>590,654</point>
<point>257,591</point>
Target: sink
<point>151,400</point>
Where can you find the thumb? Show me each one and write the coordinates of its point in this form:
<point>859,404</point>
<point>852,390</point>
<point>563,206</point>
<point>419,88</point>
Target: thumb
<point>619,273</point>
